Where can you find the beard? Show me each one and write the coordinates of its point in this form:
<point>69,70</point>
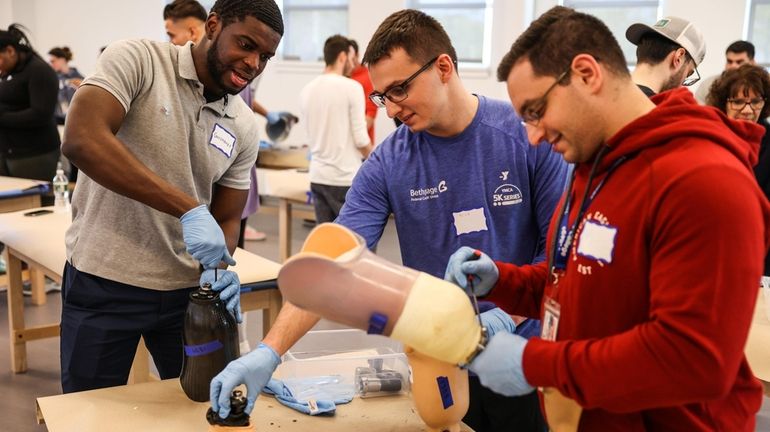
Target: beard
<point>675,80</point>
<point>218,70</point>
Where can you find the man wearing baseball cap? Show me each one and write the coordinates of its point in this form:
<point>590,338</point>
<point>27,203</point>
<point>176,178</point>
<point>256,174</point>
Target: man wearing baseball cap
<point>667,54</point>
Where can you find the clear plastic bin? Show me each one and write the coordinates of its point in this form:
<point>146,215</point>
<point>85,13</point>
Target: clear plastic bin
<point>374,365</point>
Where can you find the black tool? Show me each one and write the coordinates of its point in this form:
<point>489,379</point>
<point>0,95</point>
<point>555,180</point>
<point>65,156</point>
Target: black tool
<point>237,416</point>
<point>476,255</point>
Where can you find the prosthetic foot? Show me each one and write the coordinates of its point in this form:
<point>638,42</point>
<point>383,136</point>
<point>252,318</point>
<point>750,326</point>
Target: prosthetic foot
<point>337,277</point>
<point>562,412</point>
<point>237,421</point>
<point>439,390</point>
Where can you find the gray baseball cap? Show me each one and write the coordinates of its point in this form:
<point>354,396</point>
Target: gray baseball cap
<point>677,30</point>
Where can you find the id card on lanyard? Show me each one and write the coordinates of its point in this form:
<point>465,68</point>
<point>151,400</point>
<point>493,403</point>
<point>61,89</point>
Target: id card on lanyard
<point>563,244</point>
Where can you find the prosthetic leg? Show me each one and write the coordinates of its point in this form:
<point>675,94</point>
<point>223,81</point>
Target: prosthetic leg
<point>337,277</point>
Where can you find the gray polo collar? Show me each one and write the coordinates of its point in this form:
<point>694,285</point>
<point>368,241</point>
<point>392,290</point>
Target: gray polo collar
<point>187,71</point>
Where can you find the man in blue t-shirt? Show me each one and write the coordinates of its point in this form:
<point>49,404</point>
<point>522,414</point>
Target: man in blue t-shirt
<point>459,172</point>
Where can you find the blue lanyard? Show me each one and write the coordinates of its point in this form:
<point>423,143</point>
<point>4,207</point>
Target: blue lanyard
<point>562,246</point>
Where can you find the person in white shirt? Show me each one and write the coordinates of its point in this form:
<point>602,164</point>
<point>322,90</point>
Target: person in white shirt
<point>332,110</point>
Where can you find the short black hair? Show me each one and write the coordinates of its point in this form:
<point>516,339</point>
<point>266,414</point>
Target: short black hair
<point>556,37</point>
<point>333,46</point>
<point>179,9</point>
<point>741,46</point>
<point>264,10</point>
<point>653,48</point>
<point>354,44</point>
<point>419,34</point>
<point>61,52</point>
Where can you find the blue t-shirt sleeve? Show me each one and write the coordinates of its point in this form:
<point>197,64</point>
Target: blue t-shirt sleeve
<point>367,207</point>
<point>549,180</point>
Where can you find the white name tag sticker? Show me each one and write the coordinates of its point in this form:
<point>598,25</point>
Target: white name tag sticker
<point>597,241</point>
<point>470,221</point>
<point>222,140</point>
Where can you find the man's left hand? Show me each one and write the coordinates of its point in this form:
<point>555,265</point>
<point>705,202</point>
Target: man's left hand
<point>499,366</point>
<point>229,287</point>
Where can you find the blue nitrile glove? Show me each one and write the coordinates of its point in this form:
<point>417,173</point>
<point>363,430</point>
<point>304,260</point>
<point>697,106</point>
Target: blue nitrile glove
<point>254,369</point>
<point>229,286</point>
<point>499,366</point>
<point>497,321</point>
<point>273,117</point>
<point>463,263</point>
<point>204,238</point>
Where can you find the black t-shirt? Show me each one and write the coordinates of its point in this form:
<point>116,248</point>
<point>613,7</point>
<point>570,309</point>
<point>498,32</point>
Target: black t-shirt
<point>28,97</point>
<point>646,90</point>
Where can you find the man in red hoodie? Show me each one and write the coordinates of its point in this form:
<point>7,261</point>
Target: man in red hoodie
<point>654,254</point>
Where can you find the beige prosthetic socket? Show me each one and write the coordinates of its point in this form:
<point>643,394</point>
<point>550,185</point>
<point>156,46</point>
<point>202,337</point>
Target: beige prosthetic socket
<point>336,277</point>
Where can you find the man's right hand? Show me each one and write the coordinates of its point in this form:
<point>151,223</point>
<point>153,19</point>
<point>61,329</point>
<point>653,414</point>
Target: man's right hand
<point>204,238</point>
<point>254,369</point>
<point>465,262</point>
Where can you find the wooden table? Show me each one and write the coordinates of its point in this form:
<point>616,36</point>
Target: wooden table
<point>758,344</point>
<point>290,186</point>
<point>162,406</point>
<point>39,241</point>
<point>20,194</point>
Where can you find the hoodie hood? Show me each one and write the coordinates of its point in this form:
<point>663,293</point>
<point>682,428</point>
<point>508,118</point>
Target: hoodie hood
<point>678,115</point>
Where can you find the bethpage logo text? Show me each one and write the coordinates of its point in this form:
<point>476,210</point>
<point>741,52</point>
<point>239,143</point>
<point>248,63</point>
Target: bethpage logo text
<point>423,194</point>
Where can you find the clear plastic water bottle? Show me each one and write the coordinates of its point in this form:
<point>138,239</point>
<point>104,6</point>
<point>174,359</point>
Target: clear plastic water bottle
<point>61,192</point>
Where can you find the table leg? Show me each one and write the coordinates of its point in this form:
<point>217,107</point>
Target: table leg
<point>284,229</point>
<point>37,282</point>
<point>270,313</point>
<point>15,312</point>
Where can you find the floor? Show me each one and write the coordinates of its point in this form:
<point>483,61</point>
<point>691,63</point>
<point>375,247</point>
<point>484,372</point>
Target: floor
<point>17,406</point>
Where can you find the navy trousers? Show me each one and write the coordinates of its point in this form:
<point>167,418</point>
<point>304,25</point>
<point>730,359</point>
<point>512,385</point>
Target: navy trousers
<point>101,323</point>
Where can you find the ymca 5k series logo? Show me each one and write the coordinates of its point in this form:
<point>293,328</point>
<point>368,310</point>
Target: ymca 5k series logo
<point>506,194</point>
<point>422,194</point>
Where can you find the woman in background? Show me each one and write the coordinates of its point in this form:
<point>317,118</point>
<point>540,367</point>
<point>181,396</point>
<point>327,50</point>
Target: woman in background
<point>29,140</point>
<point>742,94</point>
<point>69,79</point>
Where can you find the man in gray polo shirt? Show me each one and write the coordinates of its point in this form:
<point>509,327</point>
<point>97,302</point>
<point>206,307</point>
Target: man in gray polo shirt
<point>165,151</point>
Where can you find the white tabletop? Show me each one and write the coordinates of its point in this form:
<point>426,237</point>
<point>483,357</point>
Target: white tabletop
<point>13,184</point>
<point>284,183</point>
<point>41,238</point>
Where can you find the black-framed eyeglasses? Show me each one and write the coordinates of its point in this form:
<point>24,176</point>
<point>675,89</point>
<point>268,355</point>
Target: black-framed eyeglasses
<point>535,110</point>
<point>398,93</point>
<point>692,78</point>
<point>738,104</point>
<point>694,75</point>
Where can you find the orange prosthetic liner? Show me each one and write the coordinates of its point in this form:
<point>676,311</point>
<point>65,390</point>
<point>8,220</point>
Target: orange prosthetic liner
<point>336,277</point>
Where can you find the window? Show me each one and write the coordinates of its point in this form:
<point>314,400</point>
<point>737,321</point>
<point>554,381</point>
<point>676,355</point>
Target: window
<point>468,23</point>
<point>618,15</point>
<point>308,23</point>
<point>759,31</point>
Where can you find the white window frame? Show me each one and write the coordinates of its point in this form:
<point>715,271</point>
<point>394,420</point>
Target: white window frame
<point>487,6</point>
<point>285,9</point>
<point>750,27</point>
<point>621,4</point>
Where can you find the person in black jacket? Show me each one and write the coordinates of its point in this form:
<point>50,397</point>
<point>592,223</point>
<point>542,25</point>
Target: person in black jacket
<point>29,140</point>
<point>742,94</point>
